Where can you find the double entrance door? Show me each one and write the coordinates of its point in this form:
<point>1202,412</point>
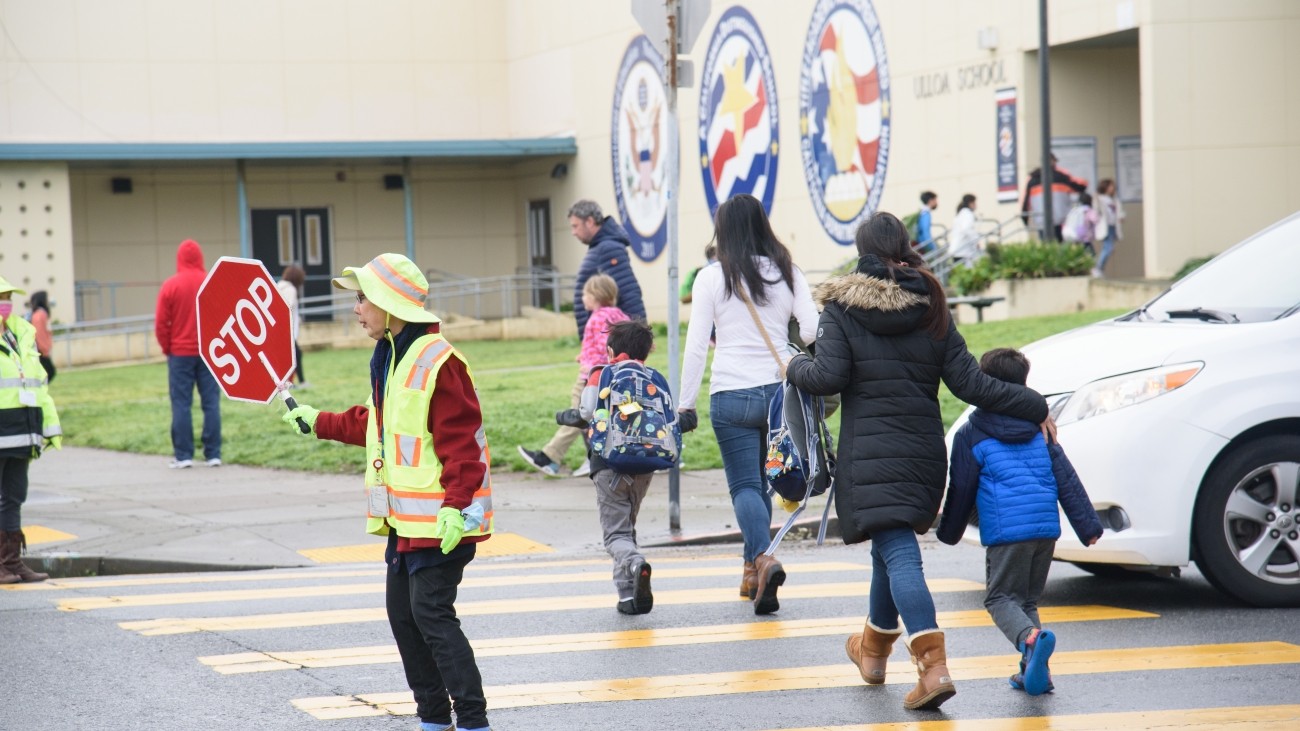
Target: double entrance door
<point>284,236</point>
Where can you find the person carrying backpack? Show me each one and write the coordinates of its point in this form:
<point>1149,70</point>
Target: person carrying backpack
<point>1081,224</point>
<point>885,341</point>
<point>633,430</point>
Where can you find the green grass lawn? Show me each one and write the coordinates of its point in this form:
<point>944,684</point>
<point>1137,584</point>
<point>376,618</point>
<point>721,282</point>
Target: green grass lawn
<point>522,384</point>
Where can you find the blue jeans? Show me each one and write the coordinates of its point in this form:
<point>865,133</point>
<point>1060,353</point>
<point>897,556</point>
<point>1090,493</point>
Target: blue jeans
<point>740,423</point>
<point>898,582</point>
<point>184,372</point>
<point>1107,247</point>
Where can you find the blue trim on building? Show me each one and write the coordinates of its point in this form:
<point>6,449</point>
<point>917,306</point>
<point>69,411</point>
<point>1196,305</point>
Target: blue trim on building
<point>491,148</point>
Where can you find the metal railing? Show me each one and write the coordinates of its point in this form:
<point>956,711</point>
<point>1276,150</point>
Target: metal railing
<point>65,335</point>
<point>98,300</point>
<point>941,259</point>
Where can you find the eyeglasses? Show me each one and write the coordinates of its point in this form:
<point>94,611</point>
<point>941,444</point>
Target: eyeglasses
<point>360,298</point>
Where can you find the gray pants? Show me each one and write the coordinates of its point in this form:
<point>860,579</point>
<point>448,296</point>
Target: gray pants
<point>1015,574</point>
<point>618,498</point>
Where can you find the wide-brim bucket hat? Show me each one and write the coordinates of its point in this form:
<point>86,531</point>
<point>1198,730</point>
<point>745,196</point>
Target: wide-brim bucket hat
<point>394,283</point>
<point>5,286</point>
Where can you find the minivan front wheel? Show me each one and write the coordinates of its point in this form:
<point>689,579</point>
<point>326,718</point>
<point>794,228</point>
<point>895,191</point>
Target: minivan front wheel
<point>1247,524</point>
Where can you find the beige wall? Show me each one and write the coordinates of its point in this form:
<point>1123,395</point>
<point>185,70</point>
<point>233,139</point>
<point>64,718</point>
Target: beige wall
<point>1212,87</point>
<point>36,234</point>
<point>1220,124</point>
<point>466,219</point>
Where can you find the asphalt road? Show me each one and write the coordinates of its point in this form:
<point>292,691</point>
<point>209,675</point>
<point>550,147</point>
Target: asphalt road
<point>176,651</point>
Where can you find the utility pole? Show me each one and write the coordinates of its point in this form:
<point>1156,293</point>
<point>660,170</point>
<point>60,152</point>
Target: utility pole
<point>674,314</point>
<point>672,27</point>
<point>1045,112</point>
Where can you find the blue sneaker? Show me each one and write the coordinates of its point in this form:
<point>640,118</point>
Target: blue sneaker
<point>1036,678</point>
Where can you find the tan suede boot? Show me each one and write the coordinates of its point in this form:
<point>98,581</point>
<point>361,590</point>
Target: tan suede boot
<point>748,580</point>
<point>870,651</point>
<point>14,542</point>
<point>934,682</point>
<point>770,576</point>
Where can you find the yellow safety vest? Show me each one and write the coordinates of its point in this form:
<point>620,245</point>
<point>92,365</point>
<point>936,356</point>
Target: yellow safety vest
<point>405,463</point>
<point>23,391</point>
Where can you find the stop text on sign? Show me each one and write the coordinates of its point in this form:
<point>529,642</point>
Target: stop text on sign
<point>248,325</point>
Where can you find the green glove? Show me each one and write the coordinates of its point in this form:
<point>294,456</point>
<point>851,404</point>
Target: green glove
<point>451,526</point>
<point>304,412</point>
<point>55,442</point>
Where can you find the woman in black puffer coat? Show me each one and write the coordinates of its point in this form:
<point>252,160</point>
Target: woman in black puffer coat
<point>884,342</point>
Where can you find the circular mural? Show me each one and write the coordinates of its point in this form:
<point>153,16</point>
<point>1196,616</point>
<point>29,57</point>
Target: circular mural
<point>738,113</point>
<point>639,147</point>
<point>844,114</point>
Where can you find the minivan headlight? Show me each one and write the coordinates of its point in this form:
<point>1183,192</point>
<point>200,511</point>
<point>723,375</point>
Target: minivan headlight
<point>1114,393</point>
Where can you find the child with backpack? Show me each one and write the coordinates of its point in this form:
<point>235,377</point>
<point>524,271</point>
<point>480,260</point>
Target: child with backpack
<point>1080,224</point>
<point>598,295</point>
<point>1003,469</point>
<point>633,430</point>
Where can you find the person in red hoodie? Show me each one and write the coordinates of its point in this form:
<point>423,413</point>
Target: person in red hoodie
<point>177,329</point>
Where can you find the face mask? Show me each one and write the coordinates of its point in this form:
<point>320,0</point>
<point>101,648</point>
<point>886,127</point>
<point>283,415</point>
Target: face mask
<point>6,308</point>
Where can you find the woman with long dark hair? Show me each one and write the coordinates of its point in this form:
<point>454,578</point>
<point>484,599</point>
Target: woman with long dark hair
<point>884,342</point>
<point>749,294</point>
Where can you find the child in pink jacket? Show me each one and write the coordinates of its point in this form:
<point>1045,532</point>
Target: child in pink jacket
<point>598,295</point>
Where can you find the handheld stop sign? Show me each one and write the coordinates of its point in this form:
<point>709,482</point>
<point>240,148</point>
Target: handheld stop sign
<point>246,332</point>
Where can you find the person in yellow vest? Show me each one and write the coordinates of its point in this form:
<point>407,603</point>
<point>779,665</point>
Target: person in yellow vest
<point>28,424</point>
<point>428,484</point>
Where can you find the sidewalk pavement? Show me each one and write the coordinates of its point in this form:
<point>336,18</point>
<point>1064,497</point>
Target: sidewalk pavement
<point>131,507</point>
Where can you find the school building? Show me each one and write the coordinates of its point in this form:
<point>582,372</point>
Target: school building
<point>328,131</point>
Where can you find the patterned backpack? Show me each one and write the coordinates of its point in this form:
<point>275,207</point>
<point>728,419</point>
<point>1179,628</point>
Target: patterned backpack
<point>634,428</point>
<point>800,462</point>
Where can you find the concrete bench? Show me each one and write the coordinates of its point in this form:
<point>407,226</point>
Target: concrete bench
<point>979,303</point>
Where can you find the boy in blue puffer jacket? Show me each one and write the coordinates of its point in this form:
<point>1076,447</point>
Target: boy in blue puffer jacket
<point>1004,470</point>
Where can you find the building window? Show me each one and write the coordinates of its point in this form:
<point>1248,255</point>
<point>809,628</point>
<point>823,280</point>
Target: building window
<point>284,228</point>
<point>311,225</point>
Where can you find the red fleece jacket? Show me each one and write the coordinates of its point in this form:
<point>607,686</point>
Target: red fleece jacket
<point>176,321</point>
<point>454,419</point>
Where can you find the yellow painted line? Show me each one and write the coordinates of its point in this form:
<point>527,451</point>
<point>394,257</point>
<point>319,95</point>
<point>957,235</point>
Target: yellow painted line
<point>841,675</point>
<point>501,544</point>
<point>508,606</point>
<point>256,662</point>
<point>240,595</point>
<point>1234,718</point>
<point>101,582</point>
<point>40,534</point>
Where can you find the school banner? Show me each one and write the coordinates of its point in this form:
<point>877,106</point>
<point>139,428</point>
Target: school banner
<point>1008,191</point>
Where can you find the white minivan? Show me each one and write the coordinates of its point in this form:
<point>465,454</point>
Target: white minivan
<point>1183,421</point>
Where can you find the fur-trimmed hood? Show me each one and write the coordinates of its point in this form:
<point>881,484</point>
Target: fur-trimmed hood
<point>885,305</point>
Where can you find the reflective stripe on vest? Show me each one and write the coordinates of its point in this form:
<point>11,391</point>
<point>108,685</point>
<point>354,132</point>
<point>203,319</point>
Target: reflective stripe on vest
<point>410,471</point>
<point>21,382</point>
<point>20,440</point>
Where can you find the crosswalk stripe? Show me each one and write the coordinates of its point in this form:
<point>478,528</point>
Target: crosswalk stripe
<point>239,595</point>
<point>102,582</point>
<point>502,544</point>
<point>816,677</point>
<point>255,662</point>
<point>509,606</point>
<point>1242,718</point>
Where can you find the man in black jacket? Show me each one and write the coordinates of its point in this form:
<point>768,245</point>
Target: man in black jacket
<point>607,253</point>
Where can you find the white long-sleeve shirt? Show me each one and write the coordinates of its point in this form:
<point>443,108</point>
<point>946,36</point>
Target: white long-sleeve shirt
<point>964,239</point>
<point>742,359</point>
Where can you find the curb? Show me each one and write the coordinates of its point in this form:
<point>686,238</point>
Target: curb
<point>801,530</point>
<point>62,567</point>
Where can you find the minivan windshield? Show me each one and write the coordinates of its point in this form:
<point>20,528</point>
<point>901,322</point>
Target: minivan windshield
<point>1256,281</point>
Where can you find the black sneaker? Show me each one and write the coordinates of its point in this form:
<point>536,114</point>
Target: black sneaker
<point>642,600</point>
<point>624,606</point>
<point>540,462</point>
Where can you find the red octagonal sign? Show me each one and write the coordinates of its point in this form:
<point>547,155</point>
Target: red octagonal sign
<point>245,333</point>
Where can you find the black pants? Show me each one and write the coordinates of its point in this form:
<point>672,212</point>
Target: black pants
<point>297,354</point>
<point>48,364</point>
<point>436,656</point>
<point>13,492</point>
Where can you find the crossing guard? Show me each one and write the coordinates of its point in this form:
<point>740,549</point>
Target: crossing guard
<point>428,482</point>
